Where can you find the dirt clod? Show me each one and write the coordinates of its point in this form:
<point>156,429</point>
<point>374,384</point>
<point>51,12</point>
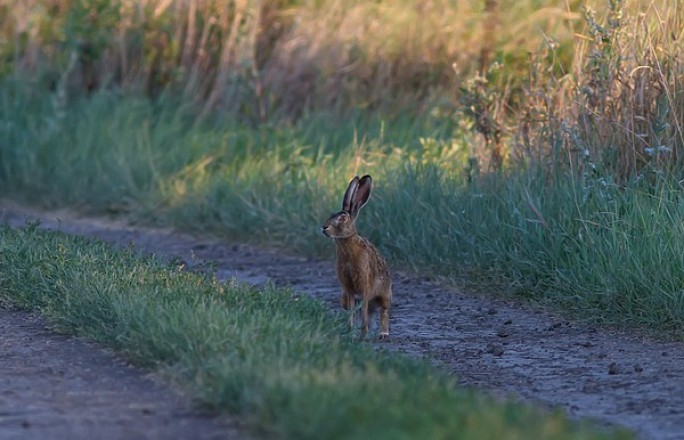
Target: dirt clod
<point>553,326</point>
<point>613,368</point>
<point>495,349</point>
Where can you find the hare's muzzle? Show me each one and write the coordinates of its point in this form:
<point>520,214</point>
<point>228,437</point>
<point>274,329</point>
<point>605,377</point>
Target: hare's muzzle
<point>324,230</point>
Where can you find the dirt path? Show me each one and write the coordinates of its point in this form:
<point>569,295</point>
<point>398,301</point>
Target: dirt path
<point>493,344</point>
<point>57,387</point>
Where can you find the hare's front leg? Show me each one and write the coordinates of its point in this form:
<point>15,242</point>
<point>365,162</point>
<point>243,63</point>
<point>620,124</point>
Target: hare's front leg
<point>349,303</point>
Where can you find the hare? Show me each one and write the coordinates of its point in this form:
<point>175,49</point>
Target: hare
<point>362,272</point>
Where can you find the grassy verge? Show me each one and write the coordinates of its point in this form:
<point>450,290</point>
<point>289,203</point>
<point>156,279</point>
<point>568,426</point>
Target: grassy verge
<point>279,360</point>
<point>609,252</point>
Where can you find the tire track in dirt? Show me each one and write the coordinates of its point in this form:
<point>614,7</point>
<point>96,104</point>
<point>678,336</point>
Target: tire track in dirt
<point>617,378</point>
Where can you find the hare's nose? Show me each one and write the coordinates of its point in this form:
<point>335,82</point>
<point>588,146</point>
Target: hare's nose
<point>324,229</point>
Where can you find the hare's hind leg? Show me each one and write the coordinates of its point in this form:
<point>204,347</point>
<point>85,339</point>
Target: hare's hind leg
<point>385,302</point>
<point>384,323</point>
<point>364,316</point>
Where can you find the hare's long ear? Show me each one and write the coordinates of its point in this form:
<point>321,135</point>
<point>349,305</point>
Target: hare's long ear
<point>361,195</point>
<point>348,199</point>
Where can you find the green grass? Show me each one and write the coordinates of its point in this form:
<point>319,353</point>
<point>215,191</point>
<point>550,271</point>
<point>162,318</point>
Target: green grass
<point>279,360</point>
<point>605,252</point>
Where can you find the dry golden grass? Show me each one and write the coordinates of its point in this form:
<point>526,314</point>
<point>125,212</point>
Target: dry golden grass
<point>604,87</point>
<point>277,54</point>
<point>619,111</point>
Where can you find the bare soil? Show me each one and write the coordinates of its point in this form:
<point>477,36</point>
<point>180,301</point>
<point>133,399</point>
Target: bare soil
<point>531,354</point>
<point>56,387</point>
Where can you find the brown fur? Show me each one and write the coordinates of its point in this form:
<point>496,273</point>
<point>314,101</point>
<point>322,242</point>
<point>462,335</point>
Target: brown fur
<point>361,270</point>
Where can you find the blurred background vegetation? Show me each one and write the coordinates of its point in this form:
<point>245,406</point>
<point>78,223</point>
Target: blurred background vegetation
<point>266,58</point>
<point>599,75</point>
